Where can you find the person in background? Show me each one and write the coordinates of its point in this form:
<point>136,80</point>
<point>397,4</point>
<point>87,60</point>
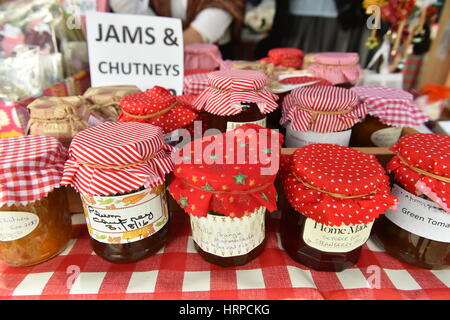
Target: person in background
<point>204,21</point>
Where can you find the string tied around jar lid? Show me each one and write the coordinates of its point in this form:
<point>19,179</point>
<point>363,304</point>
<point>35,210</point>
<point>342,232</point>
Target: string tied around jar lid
<point>152,115</point>
<point>315,113</point>
<point>243,192</point>
<point>119,166</point>
<point>423,172</point>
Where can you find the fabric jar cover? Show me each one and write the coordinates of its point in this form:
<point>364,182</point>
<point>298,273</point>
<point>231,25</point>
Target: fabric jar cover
<point>30,168</point>
<point>286,57</point>
<point>233,189</point>
<point>195,84</point>
<point>337,67</point>
<point>157,106</point>
<point>59,117</point>
<point>228,89</point>
<point>336,185</point>
<point>422,166</point>
<point>104,102</point>
<point>117,157</point>
<point>202,56</point>
<point>322,109</point>
<point>394,107</point>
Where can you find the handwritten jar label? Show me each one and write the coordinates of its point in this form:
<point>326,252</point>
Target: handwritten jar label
<point>234,125</point>
<point>386,137</point>
<point>126,218</point>
<point>15,225</point>
<point>229,237</point>
<point>335,239</point>
<point>419,216</point>
<point>296,139</point>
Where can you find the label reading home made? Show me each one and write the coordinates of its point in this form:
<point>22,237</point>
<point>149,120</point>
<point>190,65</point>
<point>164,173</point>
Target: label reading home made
<point>229,237</point>
<point>386,137</point>
<point>234,125</point>
<point>127,218</point>
<point>15,225</point>
<point>296,139</point>
<point>419,216</point>
<point>135,50</point>
<point>335,239</point>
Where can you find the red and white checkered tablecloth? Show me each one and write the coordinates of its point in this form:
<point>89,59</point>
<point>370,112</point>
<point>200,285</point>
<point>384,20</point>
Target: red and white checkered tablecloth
<point>178,272</point>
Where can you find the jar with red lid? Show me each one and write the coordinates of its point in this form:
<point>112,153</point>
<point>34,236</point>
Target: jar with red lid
<point>334,193</point>
<point>287,57</point>
<point>121,180</point>
<point>418,231</point>
<point>35,222</point>
<point>236,97</point>
<point>320,114</point>
<point>225,183</point>
<point>389,110</point>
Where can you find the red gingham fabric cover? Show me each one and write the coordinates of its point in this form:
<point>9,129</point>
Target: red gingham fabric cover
<point>322,98</point>
<point>197,71</point>
<point>337,67</point>
<point>201,184</point>
<point>394,107</point>
<point>117,144</point>
<point>287,57</point>
<point>429,152</point>
<point>227,89</point>
<point>30,168</point>
<point>340,170</point>
<point>152,101</point>
<point>195,83</point>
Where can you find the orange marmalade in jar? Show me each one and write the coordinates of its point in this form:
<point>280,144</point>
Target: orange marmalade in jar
<point>35,222</point>
<point>226,191</point>
<point>119,169</point>
<point>334,194</point>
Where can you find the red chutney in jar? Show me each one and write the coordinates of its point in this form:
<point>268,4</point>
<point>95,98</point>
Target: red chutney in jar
<point>121,179</point>
<point>227,190</point>
<point>418,232</point>
<point>334,193</point>
<point>236,97</point>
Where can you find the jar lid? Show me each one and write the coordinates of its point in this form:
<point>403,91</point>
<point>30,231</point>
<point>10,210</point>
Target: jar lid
<point>117,157</point>
<point>280,53</point>
<point>58,108</point>
<point>336,185</point>
<point>322,109</point>
<point>337,58</point>
<point>202,48</point>
<point>30,168</point>
<point>228,89</point>
<point>394,107</point>
<point>422,166</point>
<point>158,107</point>
<point>195,83</point>
<point>231,173</point>
<point>108,94</point>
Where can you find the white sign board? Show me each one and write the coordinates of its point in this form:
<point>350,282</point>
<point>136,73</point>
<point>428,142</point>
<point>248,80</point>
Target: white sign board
<point>135,50</point>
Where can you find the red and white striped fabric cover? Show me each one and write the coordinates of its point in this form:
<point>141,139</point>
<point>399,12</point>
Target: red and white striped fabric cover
<point>227,89</point>
<point>30,168</point>
<point>322,98</point>
<point>117,144</point>
<point>394,107</point>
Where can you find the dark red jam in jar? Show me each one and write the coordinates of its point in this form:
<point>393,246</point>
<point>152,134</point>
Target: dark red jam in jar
<point>121,179</point>
<point>417,232</point>
<point>228,191</point>
<point>236,97</point>
<point>334,193</point>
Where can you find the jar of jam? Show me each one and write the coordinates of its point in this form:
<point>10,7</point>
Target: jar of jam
<point>121,179</point>
<point>389,111</point>
<point>320,114</point>
<point>236,97</point>
<point>35,223</point>
<point>418,231</point>
<point>340,68</point>
<point>334,193</point>
<point>287,57</point>
<point>202,56</point>
<point>227,191</point>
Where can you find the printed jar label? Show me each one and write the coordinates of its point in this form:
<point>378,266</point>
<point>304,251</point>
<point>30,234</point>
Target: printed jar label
<point>15,225</point>
<point>229,237</point>
<point>335,239</point>
<point>127,218</point>
<point>386,137</point>
<point>296,139</point>
<point>419,216</point>
<point>234,125</point>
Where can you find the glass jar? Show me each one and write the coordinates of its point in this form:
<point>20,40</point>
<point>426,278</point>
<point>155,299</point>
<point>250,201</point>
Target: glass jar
<point>250,114</point>
<point>42,230</point>
<point>371,132</point>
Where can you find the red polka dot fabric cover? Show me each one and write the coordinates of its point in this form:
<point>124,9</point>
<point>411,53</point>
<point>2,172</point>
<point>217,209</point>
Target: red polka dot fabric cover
<point>287,57</point>
<point>428,152</point>
<point>341,170</point>
<point>326,99</point>
<point>228,89</point>
<point>216,180</point>
<point>153,101</point>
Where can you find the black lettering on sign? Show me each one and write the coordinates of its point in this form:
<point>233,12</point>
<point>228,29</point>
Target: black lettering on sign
<point>125,34</point>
